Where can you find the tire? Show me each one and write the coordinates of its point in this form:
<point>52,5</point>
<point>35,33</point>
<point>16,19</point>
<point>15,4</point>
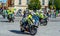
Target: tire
<point>33,31</point>
<point>20,22</point>
<point>41,24</point>
<point>38,23</point>
<point>22,30</point>
<point>45,24</point>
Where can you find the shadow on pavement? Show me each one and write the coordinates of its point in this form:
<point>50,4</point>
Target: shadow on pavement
<point>18,32</point>
<point>4,21</point>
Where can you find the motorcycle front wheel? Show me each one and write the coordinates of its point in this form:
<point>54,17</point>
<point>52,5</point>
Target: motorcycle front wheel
<point>33,31</point>
<point>45,24</point>
<point>22,30</point>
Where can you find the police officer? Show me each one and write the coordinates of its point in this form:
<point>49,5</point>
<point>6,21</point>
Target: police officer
<point>10,15</point>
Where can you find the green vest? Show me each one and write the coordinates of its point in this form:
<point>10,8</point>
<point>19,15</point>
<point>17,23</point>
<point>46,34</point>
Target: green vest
<point>37,13</point>
<point>9,12</point>
<point>41,15</point>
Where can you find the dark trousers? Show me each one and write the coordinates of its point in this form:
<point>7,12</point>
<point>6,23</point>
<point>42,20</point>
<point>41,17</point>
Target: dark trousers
<point>10,18</point>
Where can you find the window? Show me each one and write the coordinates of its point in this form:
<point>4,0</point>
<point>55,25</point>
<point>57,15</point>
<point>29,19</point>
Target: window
<point>9,3</point>
<point>27,1</point>
<point>20,2</point>
<point>43,2</point>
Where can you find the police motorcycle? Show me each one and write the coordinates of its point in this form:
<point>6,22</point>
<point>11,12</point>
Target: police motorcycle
<point>28,26</point>
<point>36,18</point>
<point>44,21</point>
<point>11,17</point>
<point>4,13</point>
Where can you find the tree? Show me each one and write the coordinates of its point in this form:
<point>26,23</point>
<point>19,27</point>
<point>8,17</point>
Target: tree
<point>56,4</point>
<point>34,5</point>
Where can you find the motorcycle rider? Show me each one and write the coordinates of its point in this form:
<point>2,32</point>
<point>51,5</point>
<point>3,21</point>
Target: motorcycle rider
<point>27,21</point>
<point>45,16</point>
<point>4,12</point>
<point>36,18</point>
<point>24,14</point>
<point>9,17</point>
<point>41,16</point>
<point>29,18</point>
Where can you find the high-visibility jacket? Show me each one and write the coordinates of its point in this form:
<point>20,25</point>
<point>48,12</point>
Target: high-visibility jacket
<point>12,10</point>
<point>30,16</point>
<point>37,13</point>
<point>9,12</point>
<point>41,15</point>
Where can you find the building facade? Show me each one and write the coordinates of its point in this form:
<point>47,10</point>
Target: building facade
<point>22,4</point>
<point>0,2</point>
<point>10,3</point>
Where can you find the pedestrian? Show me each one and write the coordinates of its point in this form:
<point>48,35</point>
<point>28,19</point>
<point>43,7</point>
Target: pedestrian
<point>49,13</point>
<point>54,14</point>
<point>57,13</point>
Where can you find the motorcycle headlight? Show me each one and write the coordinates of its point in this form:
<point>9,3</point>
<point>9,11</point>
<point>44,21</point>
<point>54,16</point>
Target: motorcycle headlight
<point>33,20</point>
